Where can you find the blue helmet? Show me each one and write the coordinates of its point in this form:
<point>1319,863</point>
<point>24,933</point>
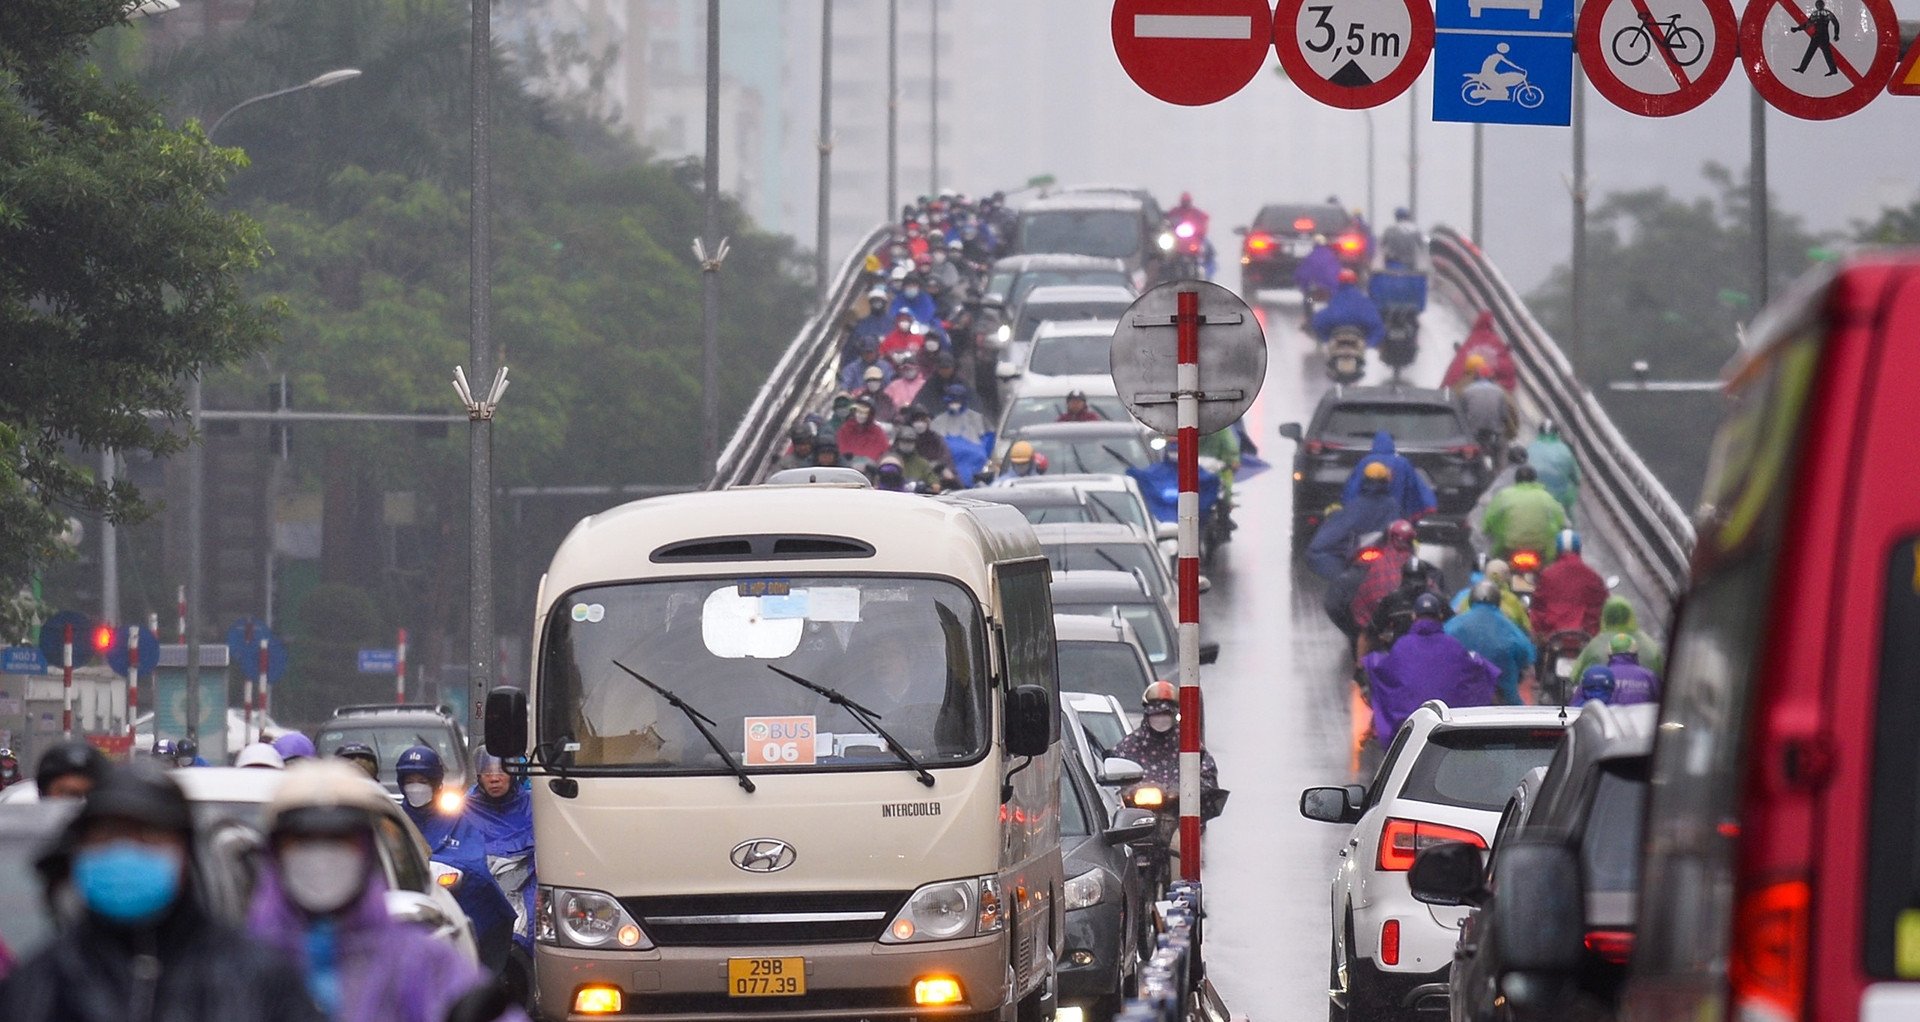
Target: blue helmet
<point>422,761</point>
<point>1596,684</point>
<point>1568,542</point>
<point>165,748</point>
<point>1403,213</point>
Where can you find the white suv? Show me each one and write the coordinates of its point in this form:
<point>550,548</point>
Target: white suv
<point>1446,777</point>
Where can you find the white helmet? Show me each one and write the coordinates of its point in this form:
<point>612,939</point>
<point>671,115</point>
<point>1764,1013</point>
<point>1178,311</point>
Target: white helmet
<point>336,787</point>
<point>262,755</point>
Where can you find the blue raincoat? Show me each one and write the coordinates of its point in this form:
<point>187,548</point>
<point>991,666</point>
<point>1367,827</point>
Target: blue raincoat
<point>1414,495</point>
<point>1160,485</point>
<point>920,305</point>
<point>1350,306</point>
<point>1485,630</point>
<point>1559,473</point>
<point>459,842</point>
<point>1371,511</point>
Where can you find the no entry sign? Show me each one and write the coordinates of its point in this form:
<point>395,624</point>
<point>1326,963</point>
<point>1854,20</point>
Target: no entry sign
<point>1192,52</point>
<point>1657,58</point>
<point>1353,53</point>
<point>1821,61</point>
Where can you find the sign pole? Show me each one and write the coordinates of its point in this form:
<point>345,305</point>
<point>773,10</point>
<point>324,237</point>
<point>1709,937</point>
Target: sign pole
<point>246,711</point>
<point>66,681</point>
<point>400,668</point>
<point>1187,420</point>
<point>133,678</point>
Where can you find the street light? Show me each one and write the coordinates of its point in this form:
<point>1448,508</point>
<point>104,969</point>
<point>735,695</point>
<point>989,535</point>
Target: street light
<point>322,81</point>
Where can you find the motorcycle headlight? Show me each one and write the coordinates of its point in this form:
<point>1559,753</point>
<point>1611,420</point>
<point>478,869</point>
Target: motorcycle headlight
<point>1165,241</point>
<point>1004,334</point>
<point>585,919</point>
<point>946,910</point>
<point>1185,230</point>
<point>1086,890</point>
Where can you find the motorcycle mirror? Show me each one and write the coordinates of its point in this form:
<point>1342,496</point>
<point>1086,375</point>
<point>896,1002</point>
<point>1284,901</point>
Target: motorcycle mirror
<point>1239,230</point>
<point>1613,581</point>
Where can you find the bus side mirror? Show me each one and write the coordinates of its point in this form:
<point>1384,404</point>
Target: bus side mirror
<point>1209,652</point>
<point>1029,721</point>
<point>506,722</point>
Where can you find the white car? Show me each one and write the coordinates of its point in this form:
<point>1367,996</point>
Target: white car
<point>1077,348</point>
<point>1446,777</point>
<point>1117,496</point>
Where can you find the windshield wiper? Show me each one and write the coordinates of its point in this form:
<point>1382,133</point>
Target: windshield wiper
<point>866,717</point>
<point>1110,559</point>
<point>700,722</point>
<point>1117,456</point>
<point>1074,449</point>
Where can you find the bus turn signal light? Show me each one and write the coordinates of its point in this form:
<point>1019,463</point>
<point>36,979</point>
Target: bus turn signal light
<point>935,991</point>
<point>598,999</point>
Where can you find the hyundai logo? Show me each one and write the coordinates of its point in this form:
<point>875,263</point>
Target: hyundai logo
<point>762,855</point>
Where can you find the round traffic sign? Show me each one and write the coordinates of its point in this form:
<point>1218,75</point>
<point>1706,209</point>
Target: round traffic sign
<point>1823,61</point>
<point>53,639</point>
<point>149,651</point>
<point>1657,58</point>
<point>1192,52</point>
<point>243,648</point>
<point>1355,53</point>
<point>1145,354</point>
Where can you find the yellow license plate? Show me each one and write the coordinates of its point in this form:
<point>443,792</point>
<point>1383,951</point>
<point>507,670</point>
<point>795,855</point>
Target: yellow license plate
<point>766,977</point>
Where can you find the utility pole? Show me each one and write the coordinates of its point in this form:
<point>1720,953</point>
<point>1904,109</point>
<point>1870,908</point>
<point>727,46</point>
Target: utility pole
<point>1413,150</point>
<point>480,630</point>
<point>109,551</point>
<point>710,260</point>
<point>1479,184</point>
<point>825,145</point>
<point>1577,290</point>
<point>195,592</point>
<point>893,111</point>
<point>933,99</point>
<point>1373,214</point>
<point>1757,201</point>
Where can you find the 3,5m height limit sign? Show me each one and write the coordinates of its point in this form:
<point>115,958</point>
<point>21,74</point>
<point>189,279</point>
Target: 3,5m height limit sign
<point>1353,53</point>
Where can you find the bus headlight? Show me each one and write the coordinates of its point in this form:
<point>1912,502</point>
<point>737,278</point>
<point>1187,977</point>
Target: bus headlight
<point>585,919</point>
<point>948,909</point>
<point>1086,890</point>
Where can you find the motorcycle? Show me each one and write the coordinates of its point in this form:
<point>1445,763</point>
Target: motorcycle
<point>1346,355</point>
<point>1526,566</point>
<point>1187,248</point>
<point>1555,671</point>
<point>1400,295</point>
<point>1158,857</point>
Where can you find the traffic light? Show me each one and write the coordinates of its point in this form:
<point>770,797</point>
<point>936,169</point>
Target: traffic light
<point>103,636</point>
<point>279,399</point>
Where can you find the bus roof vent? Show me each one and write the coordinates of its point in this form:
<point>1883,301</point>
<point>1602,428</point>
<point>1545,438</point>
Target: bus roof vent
<point>761,548</point>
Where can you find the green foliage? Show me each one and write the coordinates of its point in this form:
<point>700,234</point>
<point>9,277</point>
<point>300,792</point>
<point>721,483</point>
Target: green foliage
<point>118,275</point>
<point>1895,226</point>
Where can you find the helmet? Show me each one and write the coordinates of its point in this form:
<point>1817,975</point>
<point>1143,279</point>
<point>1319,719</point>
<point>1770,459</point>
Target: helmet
<point>1186,198</point>
<point>1349,277</point>
<point>260,754</point>
<point>1623,643</point>
<point>1160,692</point>
<point>187,749</point>
<point>64,758</point>
<point>1429,605</point>
<point>1475,363</point>
<point>1498,572</point>
<point>1401,532</point>
<point>1597,682</point>
<point>294,745</point>
<point>801,434</point>
<point>325,798</point>
<point>1517,454</point>
<point>1568,542</point>
<point>165,749</point>
<point>878,294</point>
<point>1546,428</point>
<point>1403,213</point>
<point>899,273</point>
<point>423,761</point>
<point>358,751</point>
<point>956,244</point>
<point>1484,592</point>
<point>1377,470</point>
<point>1525,474</point>
<point>1020,453</point>
<point>957,392</point>
<point>1076,395</point>
<point>873,373</point>
<point>1319,239</point>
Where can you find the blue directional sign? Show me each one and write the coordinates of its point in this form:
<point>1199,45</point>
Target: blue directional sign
<point>53,636</point>
<point>22,660</point>
<point>243,645</point>
<point>118,659</point>
<point>379,661</point>
<point>1503,61</point>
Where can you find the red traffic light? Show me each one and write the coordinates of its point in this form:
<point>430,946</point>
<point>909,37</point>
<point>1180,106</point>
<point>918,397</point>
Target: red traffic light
<point>102,638</point>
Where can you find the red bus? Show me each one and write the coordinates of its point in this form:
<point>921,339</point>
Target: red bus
<point>1782,871</point>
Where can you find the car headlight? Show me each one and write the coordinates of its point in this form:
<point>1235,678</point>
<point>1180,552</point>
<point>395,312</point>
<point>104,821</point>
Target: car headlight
<point>948,909</point>
<point>1166,242</point>
<point>585,919</point>
<point>1087,889</point>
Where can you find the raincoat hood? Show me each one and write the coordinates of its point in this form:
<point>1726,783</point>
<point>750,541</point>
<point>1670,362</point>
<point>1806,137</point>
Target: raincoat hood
<point>1383,443</point>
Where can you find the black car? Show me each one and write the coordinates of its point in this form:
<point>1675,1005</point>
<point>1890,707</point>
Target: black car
<point>1426,428</point>
<point>1282,234</point>
<point>391,729</point>
<point>1584,815</point>
<point>1108,924</point>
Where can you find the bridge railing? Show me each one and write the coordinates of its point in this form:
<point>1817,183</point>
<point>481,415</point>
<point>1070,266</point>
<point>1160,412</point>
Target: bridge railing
<point>801,381</point>
<point>1656,533</point>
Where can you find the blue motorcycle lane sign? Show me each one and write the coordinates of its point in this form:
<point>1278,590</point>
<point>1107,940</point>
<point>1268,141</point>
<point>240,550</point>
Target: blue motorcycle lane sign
<point>1503,61</point>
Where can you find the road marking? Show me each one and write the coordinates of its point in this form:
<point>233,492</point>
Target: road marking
<point>1192,26</point>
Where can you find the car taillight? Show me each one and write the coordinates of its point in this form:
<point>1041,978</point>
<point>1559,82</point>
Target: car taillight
<point>1351,244</point>
<point>1368,555</point>
<point>1401,840</point>
<point>1469,451</point>
<point>1315,447</point>
<point>1612,945</point>
<point>1390,942</point>
<point>1304,223</point>
<point>1259,242</point>
<point>1525,560</point>
<point>1767,970</point>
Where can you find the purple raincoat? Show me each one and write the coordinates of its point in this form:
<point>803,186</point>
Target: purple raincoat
<point>1426,663</point>
<point>1632,683</point>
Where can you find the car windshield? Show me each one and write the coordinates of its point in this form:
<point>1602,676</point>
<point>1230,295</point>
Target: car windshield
<point>1120,506</point>
<point>1610,850</point>
<point>1061,514</point>
<point>1284,219</point>
<point>1031,279</point>
<point>1408,424</point>
<point>909,650</point>
<point>1111,455</point>
<point>1112,233</point>
<point>1032,316</point>
<point>1148,627</point>
<point>1103,668</point>
<point>1072,355</point>
<point>206,814</point>
<point>1134,557</point>
<point>1477,768</point>
<point>1105,729</point>
<point>1030,411</point>
<point>388,741</point>
<point>24,924</point>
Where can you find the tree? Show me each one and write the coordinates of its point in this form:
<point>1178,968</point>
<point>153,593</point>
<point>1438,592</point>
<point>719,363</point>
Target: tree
<point>1896,225</point>
<point>119,276</point>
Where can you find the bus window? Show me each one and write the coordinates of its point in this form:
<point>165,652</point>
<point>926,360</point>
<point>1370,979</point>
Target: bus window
<point>1892,891</point>
<point>1026,617</point>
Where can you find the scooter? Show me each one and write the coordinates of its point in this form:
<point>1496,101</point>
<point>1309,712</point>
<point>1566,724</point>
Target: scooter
<point>1526,573</point>
<point>1346,355</point>
<point>1401,295</point>
<point>1158,857</point>
<point>1555,671</point>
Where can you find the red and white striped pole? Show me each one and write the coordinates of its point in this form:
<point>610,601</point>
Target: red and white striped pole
<point>400,667</point>
<point>66,681</point>
<point>1187,422</point>
<point>180,604</point>
<point>261,667</point>
<point>133,677</point>
<point>246,703</point>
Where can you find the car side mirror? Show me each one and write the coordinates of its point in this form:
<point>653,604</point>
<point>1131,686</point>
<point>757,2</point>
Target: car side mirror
<point>1166,530</point>
<point>1029,721</point>
<point>1447,874</point>
<point>1328,805</point>
<point>1007,371</point>
<point>1240,231</point>
<point>1209,652</point>
<point>1539,912</point>
<point>1121,771</point>
<point>994,300</point>
<point>1130,825</point>
<point>1292,431</point>
<point>506,722</point>
<point>1613,581</point>
<point>1206,584</point>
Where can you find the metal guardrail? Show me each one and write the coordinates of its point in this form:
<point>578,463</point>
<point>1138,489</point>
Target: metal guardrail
<point>1173,980</point>
<point>1656,533</point>
<point>799,381</point>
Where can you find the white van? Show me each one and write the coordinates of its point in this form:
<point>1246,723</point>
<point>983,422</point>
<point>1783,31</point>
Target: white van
<point>795,756</point>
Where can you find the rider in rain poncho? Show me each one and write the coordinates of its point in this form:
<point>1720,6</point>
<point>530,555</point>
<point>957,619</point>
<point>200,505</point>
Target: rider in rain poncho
<point>1416,498</point>
<point>456,841</point>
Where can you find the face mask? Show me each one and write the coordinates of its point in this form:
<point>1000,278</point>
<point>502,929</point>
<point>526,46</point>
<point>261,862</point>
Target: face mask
<point>903,326</point>
<point>126,881</point>
<point>956,407</point>
<point>930,344</point>
<point>860,415</point>
<point>873,386</point>
<point>323,876</point>
<point>922,427</point>
<point>913,292</point>
<point>185,761</point>
<point>939,257</point>
<point>909,370</point>
<point>903,443</point>
<point>1161,722</point>
<point>417,794</point>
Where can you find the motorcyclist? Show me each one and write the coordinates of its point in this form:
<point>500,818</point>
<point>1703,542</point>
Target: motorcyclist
<point>292,746</point>
<point>799,448</point>
<point>1487,410</point>
<point>139,943</point>
<point>1426,663</point>
<point>1485,630</point>
<point>1350,306</point>
<point>1160,485</point>
<point>1570,593</point>
<point>943,270</point>
<point>1343,590</point>
<point>1410,489</point>
<point>1187,212</point>
<point>863,436</point>
<point>361,755</point>
<point>1077,409</point>
<point>457,842</point>
<point>1023,461</point>
<point>1633,682</point>
<point>1318,273</point>
<point>165,750</point>
<point>946,374</point>
<point>1596,686</point>
<point>957,418</point>
<point>502,807</point>
<point>1402,246</point>
<point>915,301</point>
<point>1394,613</point>
<point>874,326</point>
<point>868,357</point>
<point>1383,577</point>
<point>906,384</point>
<point>1370,511</point>
<point>1553,460</point>
<point>69,769</point>
<point>917,470</point>
<point>904,341</point>
<point>929,445</point>
<point>1617,618</point>
<point>1155,744</point>
<point>826,453</point>
<point>1523,516</point>
<point>186,753</point>
<point>9,769</point>
<point>1484,341</point>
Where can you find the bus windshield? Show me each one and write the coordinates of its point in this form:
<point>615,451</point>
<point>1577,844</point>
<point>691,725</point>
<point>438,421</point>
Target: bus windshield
<point>908,650</point>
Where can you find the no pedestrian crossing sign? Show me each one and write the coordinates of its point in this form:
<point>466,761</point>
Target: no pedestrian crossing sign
<point>1353,53</point>
<point>1192,52</point>
<point>1821,61</point>
<point>1657,58</point>
<point>1503,61</point>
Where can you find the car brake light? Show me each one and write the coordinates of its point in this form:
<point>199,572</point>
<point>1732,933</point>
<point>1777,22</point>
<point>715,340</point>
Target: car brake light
<point>1767,970</point>
<point>1304,223</point>
<point>1259,242</point>
<point>1468,451</point>
<point>1612,945</point>
<point>1315,447</point>
<point>1368,555</point>
<point>1390,942</point>
<point>1401,840</point>
<point>1526,560</point>
<point>1351,244</point>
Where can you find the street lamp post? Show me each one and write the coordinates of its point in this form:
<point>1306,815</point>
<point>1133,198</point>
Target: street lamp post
<point>933,100</point>
<point>825,144</point>
<point>1373,214</point>
<point>1413,150</point>
<point>893,110</point>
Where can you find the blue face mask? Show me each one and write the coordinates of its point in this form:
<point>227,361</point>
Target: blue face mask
<point>126,881</point>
